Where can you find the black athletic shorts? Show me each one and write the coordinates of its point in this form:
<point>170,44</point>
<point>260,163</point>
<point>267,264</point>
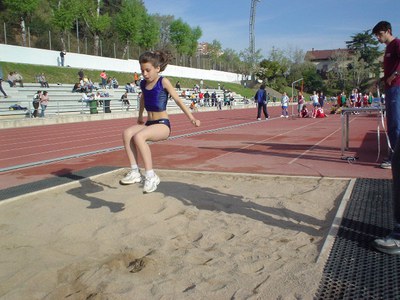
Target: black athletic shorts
<point>159,121</point>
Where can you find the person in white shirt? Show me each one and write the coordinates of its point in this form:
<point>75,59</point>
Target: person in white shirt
<point>284,104</point>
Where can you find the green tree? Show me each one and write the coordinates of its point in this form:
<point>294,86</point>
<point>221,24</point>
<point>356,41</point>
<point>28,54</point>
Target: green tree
<point>358,71</point>
<point>149,34</point>
<point>180,37</point>
<point>129,21</point>
<point>164,23</point>
<point>195,35</point>
<point>64,15</point>
<point>96,22</point>
<point>214,52</point>
<point>22,10</point>
<point>250,60</point>
<point>229,59</point>
<point>367,46</point>
<point>312,80</point>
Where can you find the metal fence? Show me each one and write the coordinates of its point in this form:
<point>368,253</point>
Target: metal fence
<point>84,45</point>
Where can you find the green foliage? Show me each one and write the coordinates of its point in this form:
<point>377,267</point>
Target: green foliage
<point>21,8</point>
<point>196,34</point>
<point>366,45</point>
<point>129,20</point>
<point>180,35</point>
<point>312,81</point>
<point>96,23</point>
<point>149,34</point>
<point>65,14</point>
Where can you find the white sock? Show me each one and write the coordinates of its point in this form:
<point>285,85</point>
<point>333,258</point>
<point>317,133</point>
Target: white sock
<point>135,168</point>
<point>150,173</point>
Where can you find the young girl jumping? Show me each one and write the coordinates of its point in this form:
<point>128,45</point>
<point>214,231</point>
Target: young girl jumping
<point>155,93</point>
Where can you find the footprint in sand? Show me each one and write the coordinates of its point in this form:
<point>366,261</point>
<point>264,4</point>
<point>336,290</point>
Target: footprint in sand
<point>136,265</point>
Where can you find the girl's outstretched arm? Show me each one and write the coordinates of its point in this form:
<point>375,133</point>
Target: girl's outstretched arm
<point>168,86</point>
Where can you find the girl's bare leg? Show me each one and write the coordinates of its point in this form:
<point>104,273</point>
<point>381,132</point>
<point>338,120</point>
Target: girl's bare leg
<point>154,133</point>
<point>128,140</point>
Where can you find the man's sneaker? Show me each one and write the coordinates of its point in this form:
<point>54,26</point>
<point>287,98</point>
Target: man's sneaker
<point>387,245</point>
<point>150,184</point>
<point>386,165</point>
<point>132,177</point>
<point>259,119</point>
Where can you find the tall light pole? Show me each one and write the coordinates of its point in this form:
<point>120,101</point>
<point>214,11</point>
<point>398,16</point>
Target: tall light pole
<point>251,31</point>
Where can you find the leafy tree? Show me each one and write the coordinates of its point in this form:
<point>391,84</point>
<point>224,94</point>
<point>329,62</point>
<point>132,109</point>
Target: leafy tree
<point>180,36</point>
<point>338,77</point>
<point>184,38</point>
<point>230,58</point>
<point>164,23</point>
<point>367,46</point>
<point>250,60</point>
<point>312,80</point>
<point>22,9</point>
<point>129,21</point>
<point>214,52</point>
<point>358,71</point>
<point>194,38</point>
<point>96,22</point>
<point>149,34</point>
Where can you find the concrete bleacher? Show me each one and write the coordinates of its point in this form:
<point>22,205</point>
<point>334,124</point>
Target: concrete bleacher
<point>64,104</point>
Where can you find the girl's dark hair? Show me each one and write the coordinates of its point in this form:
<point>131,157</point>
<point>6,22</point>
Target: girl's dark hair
<point>158,58</point>
<point>262,86</point>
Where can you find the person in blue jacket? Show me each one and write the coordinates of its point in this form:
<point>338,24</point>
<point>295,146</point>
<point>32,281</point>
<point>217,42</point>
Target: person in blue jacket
<point>261,99</point>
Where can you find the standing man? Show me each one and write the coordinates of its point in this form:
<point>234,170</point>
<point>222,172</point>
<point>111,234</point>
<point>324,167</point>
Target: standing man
<point>62,54</point>
<point>391,68</point>
<point>103,76</point>
<point>261,99</point>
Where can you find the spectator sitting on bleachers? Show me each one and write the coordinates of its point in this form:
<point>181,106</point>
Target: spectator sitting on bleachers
<point>125,101</point>
<point>114,83</point>
<point>89,84</point>
<point>77,88</point>
<point>18,78</point>
<point>42,80</point>
<point>109,83</point>
<point>130,87</point>
<point>193,105</point>
<point>11,79</point>
<point>86,98</point>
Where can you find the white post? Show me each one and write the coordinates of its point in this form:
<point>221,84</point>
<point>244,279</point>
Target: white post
<point>293,92</point>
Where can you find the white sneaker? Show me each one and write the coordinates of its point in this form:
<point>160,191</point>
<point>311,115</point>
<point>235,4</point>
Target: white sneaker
<point>132,177</point>
<point>259,119</point>
<point>150,184</point>
<point>282,116</point>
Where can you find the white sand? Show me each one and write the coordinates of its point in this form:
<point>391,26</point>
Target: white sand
<point>199,236</point>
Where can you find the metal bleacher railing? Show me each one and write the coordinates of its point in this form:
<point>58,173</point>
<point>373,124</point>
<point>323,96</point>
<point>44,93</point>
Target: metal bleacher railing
<point>65,102</point>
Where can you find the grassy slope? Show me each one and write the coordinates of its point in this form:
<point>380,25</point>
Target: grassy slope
<point>70,75</point>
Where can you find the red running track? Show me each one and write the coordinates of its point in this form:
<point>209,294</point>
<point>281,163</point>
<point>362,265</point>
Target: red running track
<point>227,141</point>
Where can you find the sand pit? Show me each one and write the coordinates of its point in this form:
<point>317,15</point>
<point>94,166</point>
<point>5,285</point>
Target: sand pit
<point>199,236</point>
